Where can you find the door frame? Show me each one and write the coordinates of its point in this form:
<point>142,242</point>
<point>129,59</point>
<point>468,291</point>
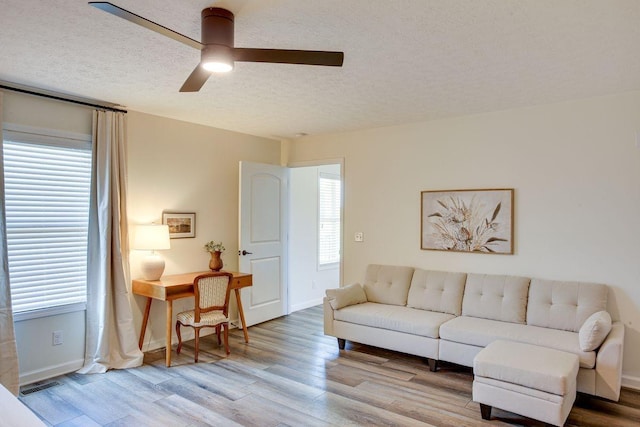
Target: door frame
<point>323,162</point>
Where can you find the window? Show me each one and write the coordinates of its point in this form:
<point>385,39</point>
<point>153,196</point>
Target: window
<point>47,188</point>
<point>329,220</point>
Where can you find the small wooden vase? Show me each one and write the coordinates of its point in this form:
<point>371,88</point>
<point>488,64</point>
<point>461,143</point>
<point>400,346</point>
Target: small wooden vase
<point>215,264</point>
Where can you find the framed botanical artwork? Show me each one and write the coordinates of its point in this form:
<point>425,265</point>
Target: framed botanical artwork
<point>478,221</point>
<point>181,224</point>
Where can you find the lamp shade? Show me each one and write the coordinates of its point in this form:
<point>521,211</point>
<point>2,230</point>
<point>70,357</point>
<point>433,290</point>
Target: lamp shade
<point>151,237</point>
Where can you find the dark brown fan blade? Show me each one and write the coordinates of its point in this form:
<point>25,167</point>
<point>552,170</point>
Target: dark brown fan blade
<point>195,80</point>
<point>283,56</point>
<point>143,22</point>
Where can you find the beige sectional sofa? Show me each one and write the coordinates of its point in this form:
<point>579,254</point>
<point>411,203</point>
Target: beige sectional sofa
<point>452,316</point>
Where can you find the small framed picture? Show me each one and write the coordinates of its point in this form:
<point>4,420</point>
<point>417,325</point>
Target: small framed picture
<point>181,224</point>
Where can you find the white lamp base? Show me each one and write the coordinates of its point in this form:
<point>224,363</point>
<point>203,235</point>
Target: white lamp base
<point>152,266</point>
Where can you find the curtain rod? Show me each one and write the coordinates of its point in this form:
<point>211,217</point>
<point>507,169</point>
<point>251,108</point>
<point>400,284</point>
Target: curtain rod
<point>61,98</point>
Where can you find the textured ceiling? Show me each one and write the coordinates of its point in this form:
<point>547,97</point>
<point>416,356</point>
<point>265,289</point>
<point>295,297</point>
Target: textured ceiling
<point>405,60</point>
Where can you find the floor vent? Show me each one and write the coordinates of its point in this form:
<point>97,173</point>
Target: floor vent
<point>39,386</point>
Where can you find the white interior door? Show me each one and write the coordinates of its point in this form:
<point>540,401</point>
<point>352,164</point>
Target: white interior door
<point>262,245</point>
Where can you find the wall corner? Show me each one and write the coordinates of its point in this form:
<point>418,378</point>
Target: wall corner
<point>285,147</point>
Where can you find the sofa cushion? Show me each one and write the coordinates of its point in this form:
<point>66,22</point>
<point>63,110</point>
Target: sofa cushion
<point>594,330</point>
<point>496,297</point>
<point>437,291</point>
<point>387,284</point>
<point>481,332</point>
<point>564,305</point>
<point>346,295</point>
<point>394,317</point>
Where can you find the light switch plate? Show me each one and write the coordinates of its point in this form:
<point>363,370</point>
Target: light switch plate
<point>359,236</point>
<point>57,338</point>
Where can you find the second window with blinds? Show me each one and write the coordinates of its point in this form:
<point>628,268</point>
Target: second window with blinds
<point>329,200</point>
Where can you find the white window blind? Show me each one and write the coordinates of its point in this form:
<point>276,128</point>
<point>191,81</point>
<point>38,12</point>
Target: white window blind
<point>329,219</point>
<point>47,188</point>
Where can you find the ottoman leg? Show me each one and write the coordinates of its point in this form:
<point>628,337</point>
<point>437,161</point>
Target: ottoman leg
<point>485,411</point>
<point>433,363</point>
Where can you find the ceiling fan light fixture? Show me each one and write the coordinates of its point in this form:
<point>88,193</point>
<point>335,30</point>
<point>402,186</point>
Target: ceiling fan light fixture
<point>217,59</point>
<point>217,67</point>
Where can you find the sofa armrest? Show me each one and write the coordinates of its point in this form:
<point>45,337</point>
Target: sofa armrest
<point>609,364</point>
<point>16,413</point>
<point>328,317</point>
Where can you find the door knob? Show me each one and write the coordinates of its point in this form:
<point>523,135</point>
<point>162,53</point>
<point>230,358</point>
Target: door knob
<point>244,253</point>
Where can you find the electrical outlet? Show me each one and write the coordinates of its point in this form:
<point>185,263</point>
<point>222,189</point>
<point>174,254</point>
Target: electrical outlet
<point>359,236</point>
<point>57,337</point>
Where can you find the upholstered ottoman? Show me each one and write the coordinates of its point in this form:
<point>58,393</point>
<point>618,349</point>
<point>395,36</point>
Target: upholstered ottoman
<point>533,381</point>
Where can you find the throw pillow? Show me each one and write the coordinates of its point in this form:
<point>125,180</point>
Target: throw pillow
<point>594,330</point>
<point>345,296</point>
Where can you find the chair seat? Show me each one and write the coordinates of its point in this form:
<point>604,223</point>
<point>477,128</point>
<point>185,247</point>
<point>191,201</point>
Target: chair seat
<point>211,318</point>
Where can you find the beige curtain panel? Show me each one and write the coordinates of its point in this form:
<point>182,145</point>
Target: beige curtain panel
<point>111,339</point>
<point>9,373</point>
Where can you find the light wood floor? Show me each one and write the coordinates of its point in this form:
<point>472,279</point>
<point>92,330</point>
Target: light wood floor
<point>290,374</point>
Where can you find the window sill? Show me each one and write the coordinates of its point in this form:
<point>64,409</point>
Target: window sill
<point>329,266</point>
<point>48,312</point>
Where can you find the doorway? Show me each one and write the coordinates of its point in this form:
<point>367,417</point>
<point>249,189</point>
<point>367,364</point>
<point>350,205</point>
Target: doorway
<point>315,232</point>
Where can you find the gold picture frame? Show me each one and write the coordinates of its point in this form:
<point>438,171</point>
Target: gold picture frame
<point>478,221</point>
<point>181,224</point>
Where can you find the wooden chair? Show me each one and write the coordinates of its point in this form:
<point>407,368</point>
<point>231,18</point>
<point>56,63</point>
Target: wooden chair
<point>211,308</point>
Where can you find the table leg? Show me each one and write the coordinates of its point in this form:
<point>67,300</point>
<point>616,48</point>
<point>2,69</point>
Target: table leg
<point>145,319</point>
<point>241,313</point>
<point>168,339</point>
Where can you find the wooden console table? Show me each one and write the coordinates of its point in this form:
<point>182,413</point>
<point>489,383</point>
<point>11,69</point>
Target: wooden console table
<point>177,286</point>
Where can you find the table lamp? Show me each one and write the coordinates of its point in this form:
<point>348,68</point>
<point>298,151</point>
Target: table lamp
<point>152,238</point>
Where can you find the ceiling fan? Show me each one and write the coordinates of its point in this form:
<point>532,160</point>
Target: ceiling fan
<point>217,52</point>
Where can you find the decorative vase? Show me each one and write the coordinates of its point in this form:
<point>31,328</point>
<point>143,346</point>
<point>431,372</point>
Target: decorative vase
<point>215,264</point>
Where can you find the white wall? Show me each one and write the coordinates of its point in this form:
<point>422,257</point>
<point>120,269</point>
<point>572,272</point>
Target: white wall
<point>46,113</point>
<point>575,168</point>
<point>307,284</point>
<point>179,166</point>
<point>37,357</point>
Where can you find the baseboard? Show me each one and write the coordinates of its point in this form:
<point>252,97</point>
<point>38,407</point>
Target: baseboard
<point>630,381</point>
<point>50,372</point>
<point>187,334</point>
<point>306,304</point>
